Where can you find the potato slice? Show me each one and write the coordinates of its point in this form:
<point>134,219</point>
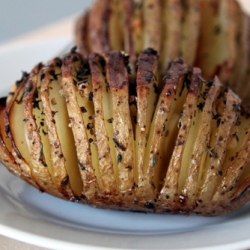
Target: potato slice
<point>171,33</point>
<point>14,123</point>
<point>5,147</point>
<point>117,77</point>
<point>77,89</point>
<point>98,27</point>
<point>177,167</point>
<point>200,140</point>
<point>63,155</point>
<point>236,162</point>
<point>147,94</point>
<point>191,16</point>
<point>217,152</point>
<point>164,122</point>
<point>106,152</point>
<point>216,54</point>
<point>32,107</point>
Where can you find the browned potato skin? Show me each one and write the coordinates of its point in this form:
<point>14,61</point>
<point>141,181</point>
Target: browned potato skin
<point>125,193</point>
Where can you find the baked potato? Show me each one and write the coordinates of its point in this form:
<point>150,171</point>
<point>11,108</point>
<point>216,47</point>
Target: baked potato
<point>210,34</point>
<point>85,131</point>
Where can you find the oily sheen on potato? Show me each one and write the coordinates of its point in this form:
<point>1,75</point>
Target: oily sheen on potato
<point>86,130</point>
<point>213,35</point>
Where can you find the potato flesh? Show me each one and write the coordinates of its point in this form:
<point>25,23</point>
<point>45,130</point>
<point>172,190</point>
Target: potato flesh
<point>195,123</point>
<point>39,115</point>
<point>108,175</point>
<point>58,107</point>
<point>217,155</point>
<point>117,77</point>
<point>176,170</point>
<point>156,160</point>
<point>147,86</point>
<point>19,144</point>
<point>197,161</point>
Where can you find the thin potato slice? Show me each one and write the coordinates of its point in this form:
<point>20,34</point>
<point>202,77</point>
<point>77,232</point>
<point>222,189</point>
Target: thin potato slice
<point>117,77</point>
<point>177,161</point>
<point>77,90</point>
<point>5,147</point>
<point>217,153</point>
<point>106,159</point>
<point>14,123</point>
<point>202,137</point>
<point>59,133</point>
<point>237,160</point>
<point>38,163</point>
<point>164,122</point>
<point>147,93</point>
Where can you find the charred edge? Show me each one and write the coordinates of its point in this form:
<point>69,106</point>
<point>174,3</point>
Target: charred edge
<point>82,74</point>
<point>65,181</point>
<point>117,63</point>
<point>146,63</point>
<point>118,145</point>
<point>24,77</point>
<point>28,88</point>
<point>82,167</point>
<point>3,101</point>
<point>41,159</point>
<point>149,205</point>
<point>195,82</point>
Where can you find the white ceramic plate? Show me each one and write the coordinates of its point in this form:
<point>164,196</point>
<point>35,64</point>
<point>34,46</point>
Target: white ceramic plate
<point>39,219</point>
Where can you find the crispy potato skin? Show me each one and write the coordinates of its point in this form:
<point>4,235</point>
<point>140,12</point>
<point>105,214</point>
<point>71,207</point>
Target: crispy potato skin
<point>171,152</point>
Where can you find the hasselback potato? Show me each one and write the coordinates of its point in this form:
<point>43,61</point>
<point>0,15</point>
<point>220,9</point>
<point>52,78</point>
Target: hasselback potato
<point>84,130</point>
<point>213,35</point>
